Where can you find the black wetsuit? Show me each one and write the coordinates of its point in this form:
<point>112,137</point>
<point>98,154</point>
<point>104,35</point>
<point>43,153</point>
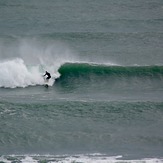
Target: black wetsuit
<point>48,75</point>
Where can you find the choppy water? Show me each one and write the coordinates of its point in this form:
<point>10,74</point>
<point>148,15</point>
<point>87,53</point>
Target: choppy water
<point>104,102</point>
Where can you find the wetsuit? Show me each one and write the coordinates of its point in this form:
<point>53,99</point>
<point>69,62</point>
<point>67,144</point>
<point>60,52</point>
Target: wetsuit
<point>48,75</point>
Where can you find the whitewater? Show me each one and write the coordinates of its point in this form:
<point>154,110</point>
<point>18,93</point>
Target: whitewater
<point>14,73</point>
<point>25,61</point>
<point>90,158</point>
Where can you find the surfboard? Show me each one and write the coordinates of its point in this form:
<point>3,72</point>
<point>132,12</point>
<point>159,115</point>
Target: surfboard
<point>46,85</point>
<point>45,82</point>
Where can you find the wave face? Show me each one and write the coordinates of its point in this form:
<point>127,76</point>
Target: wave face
<point>86,69</point>
<point>111,77</point>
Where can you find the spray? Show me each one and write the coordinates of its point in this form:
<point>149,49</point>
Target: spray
<point>30,59</point>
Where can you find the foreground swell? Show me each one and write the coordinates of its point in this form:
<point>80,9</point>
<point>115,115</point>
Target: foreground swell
<point>71,127</point>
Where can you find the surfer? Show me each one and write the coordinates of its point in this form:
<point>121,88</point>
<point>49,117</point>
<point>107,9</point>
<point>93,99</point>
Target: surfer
<point>48,75</point>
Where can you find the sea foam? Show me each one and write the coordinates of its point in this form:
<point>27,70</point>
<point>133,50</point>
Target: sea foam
<point>15,73</point>
<point>93,158</point>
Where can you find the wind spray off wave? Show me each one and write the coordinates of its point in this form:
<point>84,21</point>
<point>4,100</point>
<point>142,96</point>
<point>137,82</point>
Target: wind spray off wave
<point>23,61</point>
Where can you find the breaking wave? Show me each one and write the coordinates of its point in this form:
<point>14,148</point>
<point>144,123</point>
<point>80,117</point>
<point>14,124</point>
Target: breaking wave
<point>16,73</point>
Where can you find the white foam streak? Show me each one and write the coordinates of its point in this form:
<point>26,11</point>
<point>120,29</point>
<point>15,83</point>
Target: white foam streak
<point>92,158</point>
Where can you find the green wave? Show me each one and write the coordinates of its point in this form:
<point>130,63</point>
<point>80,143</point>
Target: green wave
<point>87,70</point>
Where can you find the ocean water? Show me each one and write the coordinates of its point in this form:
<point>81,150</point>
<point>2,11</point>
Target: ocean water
<point>104,103</point>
